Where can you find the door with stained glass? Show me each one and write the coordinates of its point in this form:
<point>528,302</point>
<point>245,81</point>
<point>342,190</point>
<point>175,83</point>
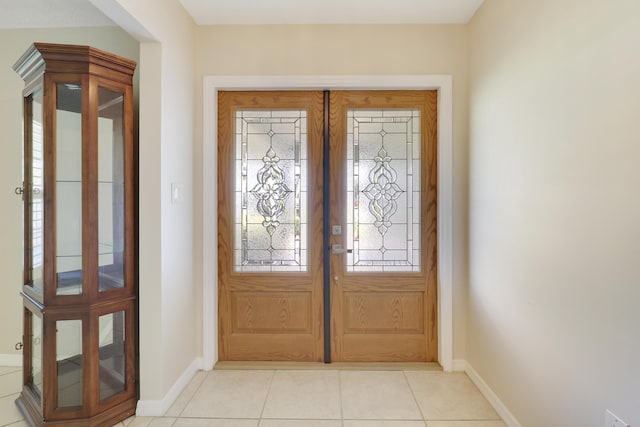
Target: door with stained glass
<point>380,204</point>
<point>384,194</point>
<point>270,225</point>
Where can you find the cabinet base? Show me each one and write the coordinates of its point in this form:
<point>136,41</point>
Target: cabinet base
<point>30,410</point>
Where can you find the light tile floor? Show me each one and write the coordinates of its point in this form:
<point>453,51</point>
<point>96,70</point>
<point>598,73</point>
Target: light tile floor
<point>324,398</point>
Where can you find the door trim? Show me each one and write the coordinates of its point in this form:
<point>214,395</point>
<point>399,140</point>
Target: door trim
<point>212,84</point>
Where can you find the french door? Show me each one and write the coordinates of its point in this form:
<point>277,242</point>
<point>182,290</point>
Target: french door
<point>342,268</point>
<point>270,225</point>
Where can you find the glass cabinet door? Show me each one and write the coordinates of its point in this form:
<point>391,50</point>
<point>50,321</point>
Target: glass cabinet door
<point>69,189</point>
<point>35,343</point>
<point>112,354</point>
<point>111,207</point>
<point>69,363</point>
<point>33,191</point>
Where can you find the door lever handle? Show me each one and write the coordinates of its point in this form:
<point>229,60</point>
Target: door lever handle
<point>338,249</point>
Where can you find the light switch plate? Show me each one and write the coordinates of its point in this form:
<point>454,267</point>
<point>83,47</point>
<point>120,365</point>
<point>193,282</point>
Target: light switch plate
<point>610,420</point>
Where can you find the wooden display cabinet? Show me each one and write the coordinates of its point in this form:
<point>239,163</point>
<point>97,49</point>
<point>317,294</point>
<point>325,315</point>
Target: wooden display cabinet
<point>79,288</point>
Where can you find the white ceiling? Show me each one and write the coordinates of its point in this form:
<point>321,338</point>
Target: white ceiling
<point>212,12</point>
<point>81,13</point>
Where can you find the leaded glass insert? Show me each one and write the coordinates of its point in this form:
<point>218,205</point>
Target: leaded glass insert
<point>383,190</point>
<point>271,195</point>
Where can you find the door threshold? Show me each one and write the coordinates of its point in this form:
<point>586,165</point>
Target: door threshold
<point>337,366</point>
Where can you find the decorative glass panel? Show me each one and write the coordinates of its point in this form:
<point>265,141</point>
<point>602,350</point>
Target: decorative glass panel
<point>35,193</point>
<point>110,189</point>
<point>69,362</point>
<point>69,189</point>
<point>112,355</point>
<point>383,190</point>
<point>271,193</point>
<point>36,352</point>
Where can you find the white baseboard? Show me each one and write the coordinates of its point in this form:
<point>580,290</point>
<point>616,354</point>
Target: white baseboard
<point>10,359</point>
<point>502,410</point>
<point>157,408</point>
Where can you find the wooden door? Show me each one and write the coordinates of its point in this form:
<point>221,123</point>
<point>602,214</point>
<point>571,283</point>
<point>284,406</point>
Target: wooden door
<point>270,225</point>
<point>384,197</point>
<point>383,204</point>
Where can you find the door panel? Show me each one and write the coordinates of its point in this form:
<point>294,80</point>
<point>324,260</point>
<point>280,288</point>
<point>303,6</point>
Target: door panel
<point>272,312</point>
<point>270,207</point>
<point>383,193</point>
<point>402,314</point>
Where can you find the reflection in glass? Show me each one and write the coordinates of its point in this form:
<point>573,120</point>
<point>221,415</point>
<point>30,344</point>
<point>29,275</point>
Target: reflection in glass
<point>35,192</point>
<point>271,194</point>
<point>110,189</point>
<point>69,189</point>
<point>383,190</point>
<point>69,362</point>
<point>36,353</point>
<point>112,354</point>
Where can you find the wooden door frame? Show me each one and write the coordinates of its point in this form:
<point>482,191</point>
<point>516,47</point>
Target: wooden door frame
<point>443,83</point>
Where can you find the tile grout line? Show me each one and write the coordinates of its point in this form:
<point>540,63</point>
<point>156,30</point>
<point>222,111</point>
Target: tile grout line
<point>401,420</point>
<point>194,394</point>
<point>415,399</point>
<point>11,399</point>
<point>266,398</point>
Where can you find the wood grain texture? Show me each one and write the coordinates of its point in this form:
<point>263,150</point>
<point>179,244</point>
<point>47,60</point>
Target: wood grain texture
<point>271,312</point>
<point>383,347</point>
<point>384,312</point>
<point>361,323</point>
<point>261,315</point>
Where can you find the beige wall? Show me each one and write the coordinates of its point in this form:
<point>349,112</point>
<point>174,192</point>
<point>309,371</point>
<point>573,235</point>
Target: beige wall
<point>13,43</point>
<point>553,318</point>
<point>354,50</point>
<point>167,289</point>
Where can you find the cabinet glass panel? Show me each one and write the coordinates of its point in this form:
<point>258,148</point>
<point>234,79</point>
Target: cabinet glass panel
<point>271,191</point>
<point>69,189</point>
<point>36,353</point>
<point>383,190</point>
<point>110,189</point>
<point>112,354</point>
<point>69,362</point>
<point>33,194</point>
